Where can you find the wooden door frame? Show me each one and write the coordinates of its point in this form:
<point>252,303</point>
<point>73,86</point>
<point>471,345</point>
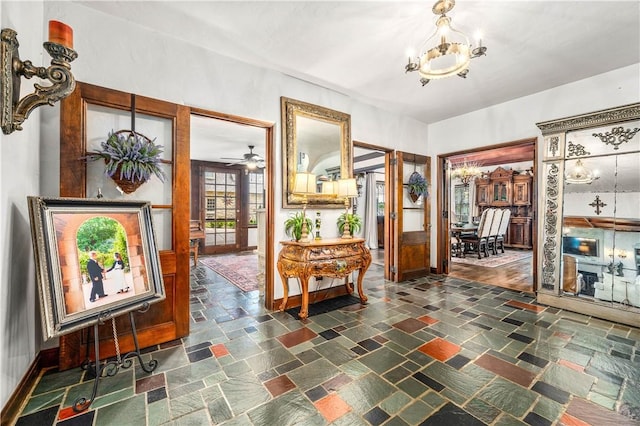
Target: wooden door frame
<point>443,243</point>
<point>269,186</point>
<point>389,240</point>
<point>175,261</point>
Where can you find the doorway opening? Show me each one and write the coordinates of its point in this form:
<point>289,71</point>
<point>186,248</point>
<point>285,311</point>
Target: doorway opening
<point>371,168</point>
<point>231,200</point>
<point>502,253</point>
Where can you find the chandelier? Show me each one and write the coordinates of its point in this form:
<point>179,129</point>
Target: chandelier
<point>466,171</point>
<point>579,174</point>
<point>447,51</point>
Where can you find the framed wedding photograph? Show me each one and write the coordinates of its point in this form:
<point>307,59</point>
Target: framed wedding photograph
<point>94,260</point>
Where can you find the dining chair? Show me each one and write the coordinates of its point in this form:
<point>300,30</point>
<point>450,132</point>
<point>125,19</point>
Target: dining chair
<point>493,232</point>
<point>502,232</point>
<point>478,241</point>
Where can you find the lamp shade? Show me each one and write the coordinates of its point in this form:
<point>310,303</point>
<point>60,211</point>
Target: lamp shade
<point>329,187</point>
<point>347,188</point>
<point>304,183</point>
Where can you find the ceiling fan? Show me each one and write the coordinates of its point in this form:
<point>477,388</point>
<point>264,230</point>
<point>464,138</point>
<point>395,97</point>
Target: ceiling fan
<point>251,159</point>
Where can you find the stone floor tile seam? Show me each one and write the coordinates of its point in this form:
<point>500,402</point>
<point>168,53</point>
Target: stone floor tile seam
<point>439,301</point>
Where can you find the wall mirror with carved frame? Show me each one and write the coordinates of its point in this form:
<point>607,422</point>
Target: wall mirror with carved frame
<point>591,228</point>
<point>315,140</point>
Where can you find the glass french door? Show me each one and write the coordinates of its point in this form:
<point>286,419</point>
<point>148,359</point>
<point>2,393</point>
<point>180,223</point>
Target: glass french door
<point>86,117</point>
<point>222,209</point>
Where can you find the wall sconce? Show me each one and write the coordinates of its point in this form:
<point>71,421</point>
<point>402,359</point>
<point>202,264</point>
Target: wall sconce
<point>622,254</point>
<point>14,111</point>
<point>304,184</point>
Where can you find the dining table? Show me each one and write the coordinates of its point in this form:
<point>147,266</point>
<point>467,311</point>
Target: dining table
<point>457,231</point>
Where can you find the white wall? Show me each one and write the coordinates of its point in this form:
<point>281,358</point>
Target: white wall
<point>517,119</point>
<point>20,332</point>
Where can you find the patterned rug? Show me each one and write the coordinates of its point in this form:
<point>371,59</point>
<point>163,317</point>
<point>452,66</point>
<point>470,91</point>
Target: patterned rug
<point>509,256</point>
<point>240,269</point>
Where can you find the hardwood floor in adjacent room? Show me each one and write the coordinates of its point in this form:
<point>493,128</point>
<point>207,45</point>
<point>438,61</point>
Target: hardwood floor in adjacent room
<point>516,276</point>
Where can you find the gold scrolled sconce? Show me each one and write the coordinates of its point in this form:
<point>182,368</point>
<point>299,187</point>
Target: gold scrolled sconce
<point>60,47</point>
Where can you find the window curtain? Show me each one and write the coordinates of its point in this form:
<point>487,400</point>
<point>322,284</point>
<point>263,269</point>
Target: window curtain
<point>371,212</point>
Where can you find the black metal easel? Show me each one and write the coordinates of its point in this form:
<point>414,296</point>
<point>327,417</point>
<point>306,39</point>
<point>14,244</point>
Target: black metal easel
<point>110,368</point>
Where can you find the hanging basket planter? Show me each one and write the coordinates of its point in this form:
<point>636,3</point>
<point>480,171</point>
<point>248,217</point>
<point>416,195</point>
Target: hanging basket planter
<point>130,159</point>
<point>418,187</point>
<point>127,186</point>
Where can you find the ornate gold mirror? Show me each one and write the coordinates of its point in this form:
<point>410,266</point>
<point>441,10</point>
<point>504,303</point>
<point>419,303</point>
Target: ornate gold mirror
<point>316,140</point>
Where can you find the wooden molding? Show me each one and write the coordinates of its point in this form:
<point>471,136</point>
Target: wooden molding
<point>632,225</point>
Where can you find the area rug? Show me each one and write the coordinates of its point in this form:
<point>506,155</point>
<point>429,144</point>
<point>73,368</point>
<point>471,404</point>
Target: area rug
<point>240,270</point>
<point>501,259</point>
<point>325,306</point>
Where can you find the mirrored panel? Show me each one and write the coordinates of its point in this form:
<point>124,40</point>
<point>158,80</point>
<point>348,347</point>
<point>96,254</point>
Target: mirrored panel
<point>601,226</point>
<point>316,140</point>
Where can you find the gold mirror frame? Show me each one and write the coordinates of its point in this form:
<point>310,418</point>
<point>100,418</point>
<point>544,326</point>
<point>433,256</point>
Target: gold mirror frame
<point>290,110</point>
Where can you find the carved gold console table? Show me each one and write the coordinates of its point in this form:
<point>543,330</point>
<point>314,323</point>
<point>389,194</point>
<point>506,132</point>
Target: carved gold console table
<point>335,258</point>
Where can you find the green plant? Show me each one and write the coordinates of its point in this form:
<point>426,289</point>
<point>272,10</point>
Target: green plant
<point>418,184</point>
<point>293,225</point>
<point>132,155</point>
<point>355,223</point>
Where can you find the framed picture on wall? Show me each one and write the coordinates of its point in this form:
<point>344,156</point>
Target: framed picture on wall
<point>94,260</point>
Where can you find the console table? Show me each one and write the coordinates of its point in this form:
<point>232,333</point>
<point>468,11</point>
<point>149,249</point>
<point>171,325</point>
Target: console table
<point>335,258</point>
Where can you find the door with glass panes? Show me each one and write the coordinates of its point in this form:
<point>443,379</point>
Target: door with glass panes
<point>231,199</point>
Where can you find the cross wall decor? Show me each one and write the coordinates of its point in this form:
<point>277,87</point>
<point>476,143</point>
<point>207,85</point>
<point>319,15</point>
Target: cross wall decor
<point>597,203</point>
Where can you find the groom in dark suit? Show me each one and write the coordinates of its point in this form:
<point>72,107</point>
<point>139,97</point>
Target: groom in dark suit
<point>95,273</point>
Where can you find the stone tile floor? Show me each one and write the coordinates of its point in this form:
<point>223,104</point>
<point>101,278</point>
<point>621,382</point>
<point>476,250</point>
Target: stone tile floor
<point>432,351</point>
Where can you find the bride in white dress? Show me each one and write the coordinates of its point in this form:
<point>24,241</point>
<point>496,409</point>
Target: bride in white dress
<point>118,274</point>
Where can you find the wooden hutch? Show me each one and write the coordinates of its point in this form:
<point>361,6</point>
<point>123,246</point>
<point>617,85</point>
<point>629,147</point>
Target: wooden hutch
<point>507,188</point>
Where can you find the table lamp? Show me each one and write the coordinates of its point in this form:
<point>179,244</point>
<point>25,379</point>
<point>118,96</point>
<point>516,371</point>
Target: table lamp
<point>347,189</point>
<point>329,187</point>
<point>304,184</point>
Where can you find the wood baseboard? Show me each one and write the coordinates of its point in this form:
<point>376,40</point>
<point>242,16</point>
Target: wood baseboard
<point>46,358</point>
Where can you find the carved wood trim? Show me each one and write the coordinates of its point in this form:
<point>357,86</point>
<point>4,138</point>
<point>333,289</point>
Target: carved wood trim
<point>592,119</point>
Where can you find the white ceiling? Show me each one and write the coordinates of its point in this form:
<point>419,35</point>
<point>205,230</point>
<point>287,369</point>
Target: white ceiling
<point>360,48</point>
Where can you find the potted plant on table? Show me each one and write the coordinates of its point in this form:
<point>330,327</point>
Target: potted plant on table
<point>293,225</point>
<point>130,159</point>
<point>355,223</point>
<point>418,186</point>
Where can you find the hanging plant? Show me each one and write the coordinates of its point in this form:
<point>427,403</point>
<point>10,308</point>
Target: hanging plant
<point>417,186</point>
<point>130,159</point>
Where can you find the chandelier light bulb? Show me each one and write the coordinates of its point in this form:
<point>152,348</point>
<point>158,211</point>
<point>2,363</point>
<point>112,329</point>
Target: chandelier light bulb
<point>478,37</point>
